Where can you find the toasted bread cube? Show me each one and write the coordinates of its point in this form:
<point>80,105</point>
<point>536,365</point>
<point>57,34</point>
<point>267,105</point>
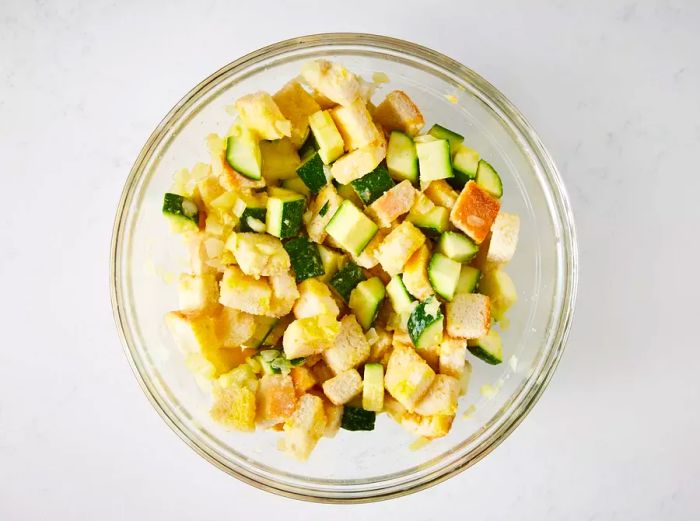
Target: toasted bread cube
<point>199,260</point>
<point>474,212</point>
<point>343,387</point>
<point>504,238</point>
<point>398,246</point>
<point>379,344</point>
<point>431,354</point>
<point>275,399</point>
<point>234,327</point>
<point>303,379</point>
<point>308,336</point>
<point>359,162</point>
<point>355,124</point>
<point>368,258</point>
<point>261,114</point>
<point>334,416</point>
<point>195,335</point>
<point>198,292</point>
<point>453,354</point>
<point>398,112</point>
<point>441,193</point>
<point>234,407</point>
<point>468,315</point>
<point>415,274</point>
<point>259,254</point>
<point>392,204</point>
<point>329,199</point>
<point>427,426</point>
<point>284,294</point>
<point>440,398</point>
<point>296,105</point>
<point>331,80</point>
<point>321,371</point>
<point>315,298</point>
<point>245,293</point>
<point>408,376</point>
<point>305,427</point>
<point>393,408</point>
<point>350,348</point>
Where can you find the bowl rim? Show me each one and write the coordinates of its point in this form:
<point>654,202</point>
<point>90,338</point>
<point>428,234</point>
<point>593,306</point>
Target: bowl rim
<point>568,233</point>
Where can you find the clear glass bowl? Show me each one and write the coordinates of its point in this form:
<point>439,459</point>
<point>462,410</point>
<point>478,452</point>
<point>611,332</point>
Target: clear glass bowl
<point>352,467</point>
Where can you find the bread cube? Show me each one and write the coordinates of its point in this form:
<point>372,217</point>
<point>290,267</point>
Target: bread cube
<point>296,105</point>
<point>379,344</point>
<point>431,354</point>
<point>315,298</point>
<point>392,204</point>
<point>308,336</point>
<point>322,372</point>
<point>504,238</point>
<point>415,274</point>
<point>359,162</point>
<point>430,427</point>
<point>275,399</point>
<point>398,246</point>
<point>368,258</point>
<point>305,427</point>
<point>408,376</point>
<point>234,327</point>
<point>441,193</point>
<point>440,398</point>
<point>474,212</point>
<point>198,292</point>
<point>334,416</point>
<point>350,347</point>
<point>355,124</point>
<point>468,316</point>
<point>260,254</point>
<point>234,407</point>
<point>261,114</point>
<point>303,379</point>
<point>343,387</point>
<point>398,112</point>
<point>245,293</point>
<point>329,199</point>
<point>284,294</point>
<point>331,80</point>
<point>453,354</point>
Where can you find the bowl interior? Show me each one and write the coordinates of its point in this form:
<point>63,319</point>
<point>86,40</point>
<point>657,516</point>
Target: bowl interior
<point>148,258</point>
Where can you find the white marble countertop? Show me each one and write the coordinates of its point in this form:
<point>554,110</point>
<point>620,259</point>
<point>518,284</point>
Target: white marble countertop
<point>612,88</point>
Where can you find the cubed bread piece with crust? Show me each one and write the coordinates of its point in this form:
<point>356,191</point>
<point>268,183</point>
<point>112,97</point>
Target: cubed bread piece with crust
<point>468,315</point>
<point>415,274</point>
<point>392,204</point>
<point>441,193</point>
<point>431,354</point>
<point>198,292</point>
<point>234,406</point>
<point>332,80</point>
<point>305,427</point>
<point>368,258</point>
<point>474,212</point>
<point>321,371</point>
<point>343,387</point>
<point>504,238</point>
<point>350,347</point>
<point>320,212</point>
<point>380,344</point>
<point>429,427</point>
<point>308,336</point>
<point>296,105</point>
<point>243,292</point>
<point>453,354</point>
<point>275,399</point>
<point>398,112</point>
<point>284,294</point>
<point>334,416</point>
<point>355,124</point>
<point>408,376</point>
<point>440,398</point>
<point>260,254</point>
<point>358,163</point>
<point>233,327</point>
<point>261,114</point>
<point>398,246</point>
<point>315,298</point>
<point>303,379</point>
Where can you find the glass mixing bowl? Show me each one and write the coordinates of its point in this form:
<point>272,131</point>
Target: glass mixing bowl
<point>353,467</point>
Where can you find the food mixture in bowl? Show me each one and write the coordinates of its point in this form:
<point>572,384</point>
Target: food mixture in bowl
<point>343,261</point>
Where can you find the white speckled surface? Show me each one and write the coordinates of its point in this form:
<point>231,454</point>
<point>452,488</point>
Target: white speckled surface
<point>613,89</point>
